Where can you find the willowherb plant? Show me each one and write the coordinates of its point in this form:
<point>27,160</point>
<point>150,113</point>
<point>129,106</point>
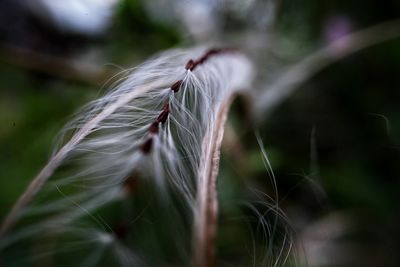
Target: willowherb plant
<point>132,181</point>
<point>149,149</point>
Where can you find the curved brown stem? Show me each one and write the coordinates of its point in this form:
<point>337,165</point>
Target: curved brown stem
<point>206,217</point>
<point>300,72</point>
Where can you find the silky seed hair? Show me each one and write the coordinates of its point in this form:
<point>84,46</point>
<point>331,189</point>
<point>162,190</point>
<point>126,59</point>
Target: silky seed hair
<point>147,131</point>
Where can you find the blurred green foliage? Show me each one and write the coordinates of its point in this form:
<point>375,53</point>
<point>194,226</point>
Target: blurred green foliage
<point>32,112</point>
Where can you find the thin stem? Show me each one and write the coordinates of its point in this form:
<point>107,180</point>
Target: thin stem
<point>279,90</point>
<point>54,65</point>
<point>207,201</point>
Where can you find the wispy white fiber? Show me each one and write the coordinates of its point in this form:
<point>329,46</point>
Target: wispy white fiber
<point>149,128</point>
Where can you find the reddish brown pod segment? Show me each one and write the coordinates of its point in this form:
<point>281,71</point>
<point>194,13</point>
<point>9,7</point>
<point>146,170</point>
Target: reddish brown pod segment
<point>131,184</point>
<point>154,128</point>
<point>176,86</point>
<point>162,118</point>
<point>190,65</point>
<point>121,230</point>
<point>147,145</point>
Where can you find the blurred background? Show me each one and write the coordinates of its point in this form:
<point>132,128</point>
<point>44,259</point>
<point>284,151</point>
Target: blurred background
<point>333,143</point>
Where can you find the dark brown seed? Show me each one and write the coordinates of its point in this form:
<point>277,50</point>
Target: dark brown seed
<point>131,184</point>
<point>190,65</point>
<point>162,118</point>
<point>147,145</point>
<point>121,230</point>
<point>176,86</point>
<point>153,127</point>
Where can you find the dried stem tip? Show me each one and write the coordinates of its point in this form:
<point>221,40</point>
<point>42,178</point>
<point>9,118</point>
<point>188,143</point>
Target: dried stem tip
<point>192,64</point>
